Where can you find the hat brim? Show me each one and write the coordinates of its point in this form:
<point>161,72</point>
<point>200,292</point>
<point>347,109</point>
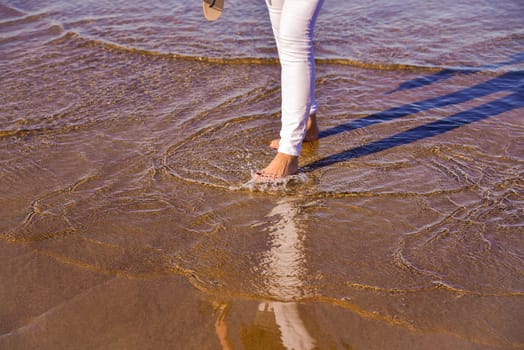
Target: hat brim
<point>212,9</point>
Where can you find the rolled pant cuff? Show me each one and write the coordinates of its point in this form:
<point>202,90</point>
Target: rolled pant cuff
<point>289,149</point>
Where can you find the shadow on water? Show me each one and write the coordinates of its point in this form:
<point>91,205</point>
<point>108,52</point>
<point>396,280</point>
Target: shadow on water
<point>512,82</point>
<point>448,73</point>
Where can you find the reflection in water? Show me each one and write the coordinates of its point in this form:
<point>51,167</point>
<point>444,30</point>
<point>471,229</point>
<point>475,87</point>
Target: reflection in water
<point>294,334</point>
<point>277,324</point>
<point>283,263</point>
<point>284,268</point>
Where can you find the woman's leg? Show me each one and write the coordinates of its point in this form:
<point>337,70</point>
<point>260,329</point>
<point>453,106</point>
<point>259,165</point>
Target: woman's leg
<point>293,22</point>
<point>275,10</point>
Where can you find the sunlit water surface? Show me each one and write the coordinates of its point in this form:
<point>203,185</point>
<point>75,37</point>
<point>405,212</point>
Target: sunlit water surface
<point>129,130</point>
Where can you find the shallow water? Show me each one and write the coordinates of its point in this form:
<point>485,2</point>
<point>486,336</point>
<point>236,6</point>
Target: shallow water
<point>128,133</point>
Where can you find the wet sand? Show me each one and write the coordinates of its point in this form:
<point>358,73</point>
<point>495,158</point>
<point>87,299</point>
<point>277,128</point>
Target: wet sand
<point>57,305</point>
<point>127,219</point>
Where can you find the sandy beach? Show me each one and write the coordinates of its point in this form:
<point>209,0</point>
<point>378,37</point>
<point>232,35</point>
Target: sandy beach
<point>128,135</point>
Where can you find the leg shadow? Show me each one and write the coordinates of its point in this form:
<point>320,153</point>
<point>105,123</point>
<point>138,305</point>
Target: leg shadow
<point>448,73</point>
<point>511,82</point>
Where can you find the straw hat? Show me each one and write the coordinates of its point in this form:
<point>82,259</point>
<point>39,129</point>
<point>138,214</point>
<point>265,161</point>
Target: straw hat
<point>212,9</point>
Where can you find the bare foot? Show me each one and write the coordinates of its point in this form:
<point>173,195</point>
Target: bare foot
<point>282,165</point>
<point>311,132</point>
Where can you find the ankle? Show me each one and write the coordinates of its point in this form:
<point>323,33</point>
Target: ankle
<point>285,156</point>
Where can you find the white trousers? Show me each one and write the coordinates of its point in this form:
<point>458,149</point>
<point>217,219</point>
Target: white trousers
<point>293,22</point>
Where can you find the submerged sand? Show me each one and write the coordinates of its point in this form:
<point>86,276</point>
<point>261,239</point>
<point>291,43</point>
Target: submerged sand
<point>127,220</point>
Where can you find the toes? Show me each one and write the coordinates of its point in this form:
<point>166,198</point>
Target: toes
<point>263,177</point>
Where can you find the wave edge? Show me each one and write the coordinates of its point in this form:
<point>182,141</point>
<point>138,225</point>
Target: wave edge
<point>87,41</point>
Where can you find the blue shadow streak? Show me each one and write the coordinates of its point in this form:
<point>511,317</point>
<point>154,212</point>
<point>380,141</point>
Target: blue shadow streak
<point>448,73</point>
<point>508,81</point>
<point>513,81</point>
